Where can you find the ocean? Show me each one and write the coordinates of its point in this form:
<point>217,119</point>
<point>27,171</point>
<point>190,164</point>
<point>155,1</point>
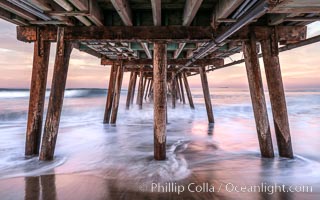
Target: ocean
<point>222,161</point>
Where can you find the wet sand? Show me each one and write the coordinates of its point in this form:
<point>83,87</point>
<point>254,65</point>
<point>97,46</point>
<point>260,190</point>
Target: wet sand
<point>81,186</point>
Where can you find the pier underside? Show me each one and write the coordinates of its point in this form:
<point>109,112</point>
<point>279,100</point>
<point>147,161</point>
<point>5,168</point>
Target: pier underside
<point>161,44</point>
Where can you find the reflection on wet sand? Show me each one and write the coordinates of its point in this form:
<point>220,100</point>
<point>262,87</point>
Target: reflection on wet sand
<point>44,185</point>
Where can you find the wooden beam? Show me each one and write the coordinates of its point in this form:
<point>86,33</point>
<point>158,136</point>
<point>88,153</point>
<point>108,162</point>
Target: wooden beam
<point>95,13</point>
<point>48,6</point>
<point>42,4</point>
<point>121,33</point>
<point>276,92</point>
<point>191,34</point>
<point>177,62</point>
<point>37,96</point>
<point>124,11</point>
<point>225,7</point>
<point>146,49</point>
<point>110,96</point>
<point>160,100</point>
<point>288,47</point>
<point>12,18</point>
<point>190,10</point>
<point>179,50</point>
<point>68,7</point>
<point>296,6</point>
<point>206,94</point>
<point>117,94</point>
<point>258,98</point>
<point>56,97</point>
<point>188,91</point>
<point>156,12</point>
<point>16,10</point>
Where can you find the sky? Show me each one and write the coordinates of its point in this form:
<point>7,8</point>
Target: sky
<point>300,67</point>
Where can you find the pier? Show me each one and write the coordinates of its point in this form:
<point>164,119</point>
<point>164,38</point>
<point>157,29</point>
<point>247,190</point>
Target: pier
<point>160,44</point>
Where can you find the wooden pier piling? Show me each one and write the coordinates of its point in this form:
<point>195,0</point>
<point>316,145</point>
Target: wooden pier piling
<point>276,92</point>
<point>134,87</point>
<point>140,89</point>
<point>150,90</point>
<point>147,89</point>
<point>37,96</point>
<point>188,91</point>
<point>160,100</point>
<point>58,85</point>
<point>182,90</point>
<point>173,90</point>
<point>117,94</point>
<point>178,89</point>
<point>206,94</point>
<point>257,97</point>
<point>110,96</point>
<point>130,88</point>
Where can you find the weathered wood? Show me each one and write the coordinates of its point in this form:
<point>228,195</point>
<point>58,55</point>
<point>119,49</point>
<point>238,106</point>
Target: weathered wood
<point>117,94</point>
<point>190,10</point>
<point>130,87</point>
<point>156,12</point>
<point>37,96</point>
<point>296,6</point>
<point>140,90</point>
<point>258,98</point>
<point>224,8</point>
<point>95,14</point>
<point>173,90</point>
<point>189,34</point>
<point>123,33</point>
<point>177,62</point>
<point>206,94</point>
<point>160,100</point>
<point>134,87</point>
<point>124,11</point>
<point>182,91</point>
<point>277,97</point>
<point>110,96</point>
<point>56,97</point>
<point>69,8</point>
<point>188,91</point>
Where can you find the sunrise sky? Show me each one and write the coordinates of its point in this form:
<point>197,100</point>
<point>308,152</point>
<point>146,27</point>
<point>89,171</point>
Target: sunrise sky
<point>300,67</point>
